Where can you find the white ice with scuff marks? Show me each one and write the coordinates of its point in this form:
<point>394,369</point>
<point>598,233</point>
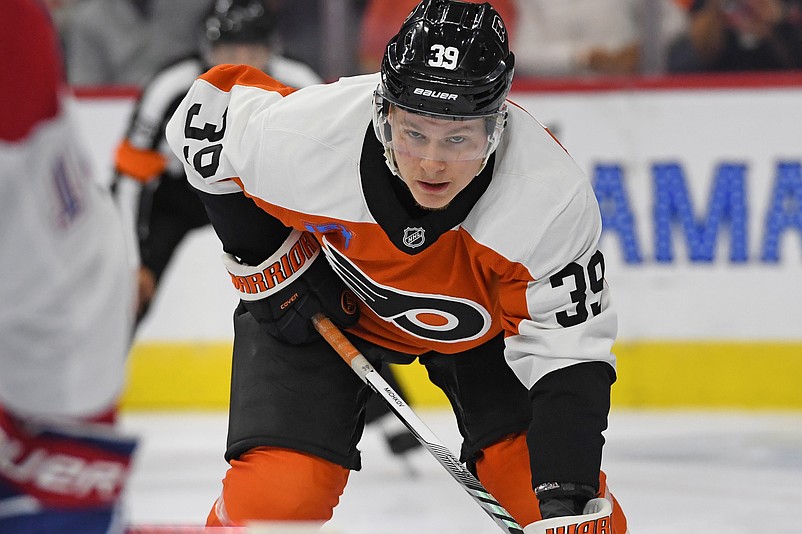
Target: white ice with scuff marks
<point>673,472</point>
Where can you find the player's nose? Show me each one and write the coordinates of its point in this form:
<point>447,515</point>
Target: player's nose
<point>432,166</point>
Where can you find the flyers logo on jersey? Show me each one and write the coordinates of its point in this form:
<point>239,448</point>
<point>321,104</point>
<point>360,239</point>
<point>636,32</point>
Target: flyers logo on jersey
<point>455,319</point>
<point>602,525</point>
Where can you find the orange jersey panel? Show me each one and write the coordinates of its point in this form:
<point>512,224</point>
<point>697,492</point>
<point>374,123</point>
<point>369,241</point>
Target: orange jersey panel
<point>412,301</point>
<point>224,77</point>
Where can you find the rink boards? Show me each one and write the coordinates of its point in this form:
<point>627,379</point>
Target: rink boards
<point>700,187</point>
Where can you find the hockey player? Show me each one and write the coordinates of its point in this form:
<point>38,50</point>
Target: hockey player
<point>66,302</point>
<point>167,209</point>
<point>150,180</point>
<point>470,237</point>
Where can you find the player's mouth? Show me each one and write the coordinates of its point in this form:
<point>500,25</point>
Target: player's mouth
<point>433,187</point>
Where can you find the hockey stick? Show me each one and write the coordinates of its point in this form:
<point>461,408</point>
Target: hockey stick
<point>427,438</point>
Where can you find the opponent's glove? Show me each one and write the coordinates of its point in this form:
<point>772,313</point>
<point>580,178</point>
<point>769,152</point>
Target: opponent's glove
<point>596,517</point>
<point>289,287</point>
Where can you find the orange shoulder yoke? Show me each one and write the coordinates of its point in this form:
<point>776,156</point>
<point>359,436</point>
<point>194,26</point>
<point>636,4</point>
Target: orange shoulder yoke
<point>224,77</point>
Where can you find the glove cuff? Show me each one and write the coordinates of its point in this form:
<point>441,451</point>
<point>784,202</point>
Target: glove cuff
<point>596,517</point>
<point>563,498</point>
<point>557,490</point>
<point>286,265</point>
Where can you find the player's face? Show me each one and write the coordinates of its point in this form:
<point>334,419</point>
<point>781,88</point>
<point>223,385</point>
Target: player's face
<point>254,55</point>
<point>436,158</point>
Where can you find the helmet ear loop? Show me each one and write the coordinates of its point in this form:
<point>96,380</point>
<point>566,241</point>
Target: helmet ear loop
<point>389,153</point>
<point>383,129</point>
<point>494,135</point>
<point>385,112</point>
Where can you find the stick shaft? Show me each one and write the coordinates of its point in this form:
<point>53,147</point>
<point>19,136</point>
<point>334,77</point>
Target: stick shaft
<point>427,438</point>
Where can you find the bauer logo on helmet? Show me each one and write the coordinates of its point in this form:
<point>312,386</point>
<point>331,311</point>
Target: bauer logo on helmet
<point>435,94</point>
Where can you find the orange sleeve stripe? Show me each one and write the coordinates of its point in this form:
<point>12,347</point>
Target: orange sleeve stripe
<point>144,165</point>
<point>224,77</point>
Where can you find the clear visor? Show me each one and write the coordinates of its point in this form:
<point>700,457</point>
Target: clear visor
<point>436,137</point>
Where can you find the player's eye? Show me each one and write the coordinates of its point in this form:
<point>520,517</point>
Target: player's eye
<point>457,139</point>
<point>412,134</point>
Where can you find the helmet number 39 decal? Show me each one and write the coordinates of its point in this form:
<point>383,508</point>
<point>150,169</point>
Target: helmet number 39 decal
<point>445,57</point>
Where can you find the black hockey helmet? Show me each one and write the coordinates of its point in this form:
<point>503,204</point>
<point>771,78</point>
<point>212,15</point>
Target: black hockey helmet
<point>449,58</point>
<point>240,21</point>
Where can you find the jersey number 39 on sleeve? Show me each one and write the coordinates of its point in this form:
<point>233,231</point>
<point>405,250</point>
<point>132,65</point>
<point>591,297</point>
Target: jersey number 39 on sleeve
<point>206,161</point>
<point>595,280</point>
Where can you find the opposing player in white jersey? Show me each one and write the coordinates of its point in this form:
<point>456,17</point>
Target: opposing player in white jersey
<point>66,302</point>
<point>470,237</point>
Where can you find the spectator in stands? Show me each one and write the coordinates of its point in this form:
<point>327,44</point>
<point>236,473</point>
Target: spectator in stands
<point>586,37</point>
<point>66,301</point>
<point>740,35</point>
<point>125,42</point>
<point>382,18</point>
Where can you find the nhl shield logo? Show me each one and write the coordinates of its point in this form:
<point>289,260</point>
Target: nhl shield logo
<point>413,237</point>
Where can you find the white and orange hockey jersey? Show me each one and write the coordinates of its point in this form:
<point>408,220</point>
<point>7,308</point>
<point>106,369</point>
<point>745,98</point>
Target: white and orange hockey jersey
<point>519,255</point>
<point>144,155</point>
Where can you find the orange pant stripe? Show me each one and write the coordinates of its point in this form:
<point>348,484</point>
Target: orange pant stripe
<point>272,484</point>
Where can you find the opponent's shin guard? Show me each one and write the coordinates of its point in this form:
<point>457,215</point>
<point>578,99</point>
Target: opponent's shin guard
<point>504,470</point>
<point>61,478</point>
<point>273,484</point>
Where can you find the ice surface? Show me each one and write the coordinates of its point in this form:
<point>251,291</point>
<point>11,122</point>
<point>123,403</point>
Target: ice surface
<point>673,472</point>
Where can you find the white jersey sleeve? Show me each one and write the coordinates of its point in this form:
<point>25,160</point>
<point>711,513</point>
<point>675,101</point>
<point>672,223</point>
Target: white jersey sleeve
<point>571,318</point>
<point>217,128</point>
<point>567,317</point>
<point>238,122</point>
